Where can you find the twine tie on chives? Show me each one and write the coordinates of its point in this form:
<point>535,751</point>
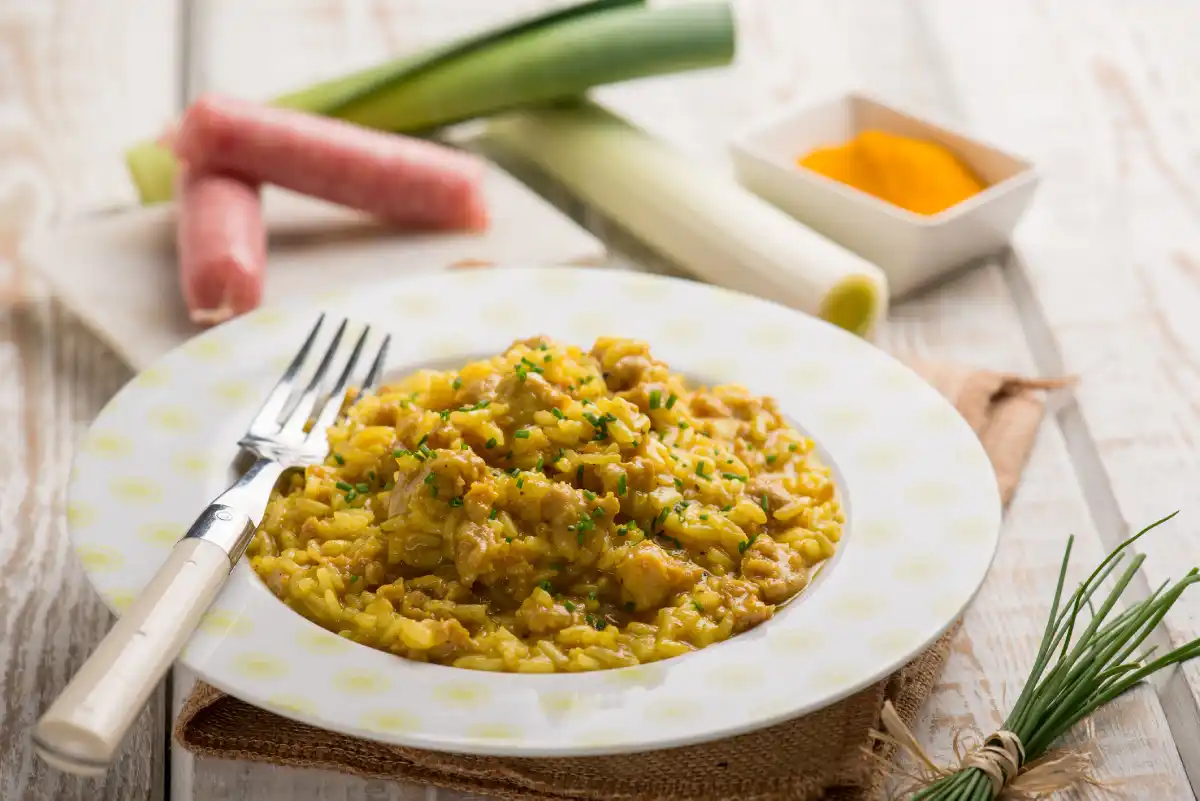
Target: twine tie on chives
<point>1001,759</point>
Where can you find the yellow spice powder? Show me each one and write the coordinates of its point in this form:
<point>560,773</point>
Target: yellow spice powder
<point>914,174</point>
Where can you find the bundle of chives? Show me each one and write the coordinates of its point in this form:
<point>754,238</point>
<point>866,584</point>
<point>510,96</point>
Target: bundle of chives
<point>1081,665</point>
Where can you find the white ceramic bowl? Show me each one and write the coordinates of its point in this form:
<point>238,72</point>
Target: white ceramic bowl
<point>913,249</point>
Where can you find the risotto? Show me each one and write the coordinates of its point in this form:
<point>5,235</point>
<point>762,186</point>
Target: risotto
<point>551,510</point>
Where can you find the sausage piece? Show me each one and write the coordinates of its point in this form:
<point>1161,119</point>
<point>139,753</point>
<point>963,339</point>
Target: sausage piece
<point>222,245</point>
<point>408,182</point>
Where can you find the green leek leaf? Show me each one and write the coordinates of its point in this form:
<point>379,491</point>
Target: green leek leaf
<point>554,56</point>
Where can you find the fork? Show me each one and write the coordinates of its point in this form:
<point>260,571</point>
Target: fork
<point>82,729</point>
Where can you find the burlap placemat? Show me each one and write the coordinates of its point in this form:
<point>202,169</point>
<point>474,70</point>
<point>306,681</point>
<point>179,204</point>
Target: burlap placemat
<point>820,756</point>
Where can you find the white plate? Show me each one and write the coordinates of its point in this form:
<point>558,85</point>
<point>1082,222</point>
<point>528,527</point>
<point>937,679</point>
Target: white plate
<point>923,517</point>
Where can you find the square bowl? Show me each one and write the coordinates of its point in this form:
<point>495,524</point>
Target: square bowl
<point>912,249</point>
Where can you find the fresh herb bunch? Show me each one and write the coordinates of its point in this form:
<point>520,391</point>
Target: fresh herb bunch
<point>1075,672</point>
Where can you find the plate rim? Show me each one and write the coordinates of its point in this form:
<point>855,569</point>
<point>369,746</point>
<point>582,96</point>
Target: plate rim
<point>503,747</point>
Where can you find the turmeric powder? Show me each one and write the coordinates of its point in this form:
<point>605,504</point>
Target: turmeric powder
<point>914,174</point>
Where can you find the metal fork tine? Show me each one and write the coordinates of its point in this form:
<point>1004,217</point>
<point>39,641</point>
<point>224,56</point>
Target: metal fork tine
<point>304,406</point>
<point>266,420</point>
<point>333,404</point>
<point>371,381</point>
<point>376,371</point>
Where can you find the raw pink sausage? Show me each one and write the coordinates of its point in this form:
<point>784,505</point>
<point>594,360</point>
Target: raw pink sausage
<point>222,245</point>
<point>408,182</point>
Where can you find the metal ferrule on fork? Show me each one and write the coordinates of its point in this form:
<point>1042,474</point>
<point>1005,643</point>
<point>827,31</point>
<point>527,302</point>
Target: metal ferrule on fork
<point>230,520</point>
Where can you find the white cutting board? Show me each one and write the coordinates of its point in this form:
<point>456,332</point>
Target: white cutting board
<point>118,272</point>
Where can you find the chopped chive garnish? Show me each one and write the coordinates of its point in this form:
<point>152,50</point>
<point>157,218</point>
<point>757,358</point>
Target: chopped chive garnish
<point>557,412</point>
<point>371,475</point>
<point>570,607</point>
<point>337,457</point>
<point>508,539</point>
<point>390,485</point>
<point>444,414</point>
<point>579,537</point>
<point>456,502</point>
<point>526,361</point>
<point>428,454</point>
<point>538,467</point>
<point>491,443</point>
<point>520,482</point>
<point>766,506</point>
<point>422,440</point>
<point>521,373</point>
<point>343,486</point>
<point>593,419</point>
<point>734,477</point>
<point>433,491</point>
<point>431,478</point>
<point>492,514</point>
<point>671,400</point>
<point>483,404</point>
<point>512,471</point>
<point>591,496</point>
<point>700,469</point>
<point>771,459</point>
<point>546,585</point>
<point>703,517</point>
<point>579,474</point>
<point>679,484</point>
<point>350,496</point>
<point>727,508</point>
<point>655,398</point>
<point>621,484</point>
<point>592,595</point>
<point>792,447</point>
<point>598,512</point>
<point>696,604</point>
<point>362,488</point>
<point>521,433</point>
<point>354,579</point>
<point>684,426</point>
<point>457,383</point>
<point>585,381</point>
<point>547,358</point>
<point>508,455</point>
<point>662,516</point>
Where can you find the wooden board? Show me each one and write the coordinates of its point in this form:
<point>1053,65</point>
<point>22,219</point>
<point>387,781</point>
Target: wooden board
<point>77,80</point>
<point>1101,95</point>
<point>118,272</point>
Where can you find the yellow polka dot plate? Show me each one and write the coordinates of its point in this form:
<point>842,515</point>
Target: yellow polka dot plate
<point>923,517</point>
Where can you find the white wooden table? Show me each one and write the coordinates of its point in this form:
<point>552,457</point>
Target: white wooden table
<point>1103,94</point>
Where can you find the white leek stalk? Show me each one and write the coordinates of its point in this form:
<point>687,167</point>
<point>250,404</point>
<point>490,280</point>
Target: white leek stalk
<point>700,219</point>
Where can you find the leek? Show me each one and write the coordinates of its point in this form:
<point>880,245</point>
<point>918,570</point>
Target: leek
<point>557,55</point>
<point>700,219</point>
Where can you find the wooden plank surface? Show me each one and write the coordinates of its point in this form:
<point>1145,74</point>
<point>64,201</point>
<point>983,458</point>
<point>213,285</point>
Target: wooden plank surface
<point>77,79</point>
<point>1101,93</point>
<point>1105,97</point>
<point>789,49</point>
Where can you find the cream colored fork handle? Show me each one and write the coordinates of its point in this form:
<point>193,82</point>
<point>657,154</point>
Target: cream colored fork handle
<point>82,729</point>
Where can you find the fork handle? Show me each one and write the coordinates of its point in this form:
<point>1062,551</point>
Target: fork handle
<point>84,726</point>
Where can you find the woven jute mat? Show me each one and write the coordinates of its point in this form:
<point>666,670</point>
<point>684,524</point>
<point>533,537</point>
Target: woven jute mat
<point>820,756</point>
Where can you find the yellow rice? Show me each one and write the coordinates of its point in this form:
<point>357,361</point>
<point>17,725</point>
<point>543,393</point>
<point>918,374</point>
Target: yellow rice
<point>551,510</point>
